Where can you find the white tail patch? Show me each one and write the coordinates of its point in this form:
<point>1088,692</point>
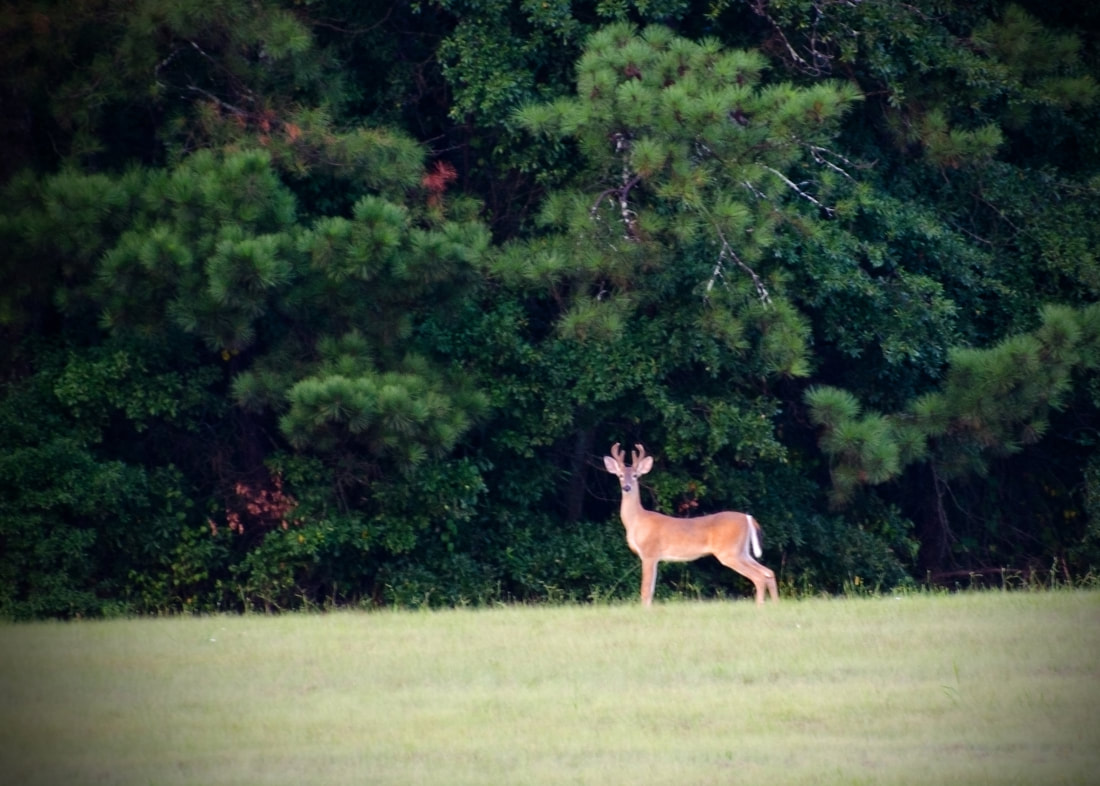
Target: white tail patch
<point>755,538</point>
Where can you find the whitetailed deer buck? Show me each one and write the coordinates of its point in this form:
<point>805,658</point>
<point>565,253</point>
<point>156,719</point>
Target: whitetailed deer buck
<point>655,537</point>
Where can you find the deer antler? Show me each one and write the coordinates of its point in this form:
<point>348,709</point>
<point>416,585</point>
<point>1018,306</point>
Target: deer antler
<point>637,455</point>
<point>617,454</point>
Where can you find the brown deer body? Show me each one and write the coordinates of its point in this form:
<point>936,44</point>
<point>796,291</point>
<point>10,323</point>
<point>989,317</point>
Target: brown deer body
<point>731,537</point>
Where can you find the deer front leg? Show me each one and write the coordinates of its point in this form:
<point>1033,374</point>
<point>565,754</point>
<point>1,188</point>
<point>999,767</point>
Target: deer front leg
<point>649,580</point>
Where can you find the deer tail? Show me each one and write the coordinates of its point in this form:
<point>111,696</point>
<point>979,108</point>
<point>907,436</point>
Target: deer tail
<point>754,530</point>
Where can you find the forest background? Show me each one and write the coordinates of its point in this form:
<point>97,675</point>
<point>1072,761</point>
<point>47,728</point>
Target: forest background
<point>341,302</point>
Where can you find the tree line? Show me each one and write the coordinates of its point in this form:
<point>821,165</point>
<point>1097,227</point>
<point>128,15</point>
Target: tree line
<point>332,302</point>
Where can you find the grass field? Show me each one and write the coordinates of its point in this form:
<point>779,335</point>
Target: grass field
<point>983,688</point>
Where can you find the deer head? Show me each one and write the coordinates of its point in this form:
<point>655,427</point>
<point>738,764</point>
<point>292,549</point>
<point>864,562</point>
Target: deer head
<point>640,464</point>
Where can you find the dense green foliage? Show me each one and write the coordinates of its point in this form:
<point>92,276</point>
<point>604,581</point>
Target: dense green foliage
<point>333,302</point>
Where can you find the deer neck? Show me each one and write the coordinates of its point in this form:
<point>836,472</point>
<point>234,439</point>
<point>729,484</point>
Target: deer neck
<point>630,509</point>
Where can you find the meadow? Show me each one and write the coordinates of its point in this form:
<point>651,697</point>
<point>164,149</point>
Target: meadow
<point>970,688</point>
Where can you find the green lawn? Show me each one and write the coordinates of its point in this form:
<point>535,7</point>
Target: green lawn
<point>923,689</point>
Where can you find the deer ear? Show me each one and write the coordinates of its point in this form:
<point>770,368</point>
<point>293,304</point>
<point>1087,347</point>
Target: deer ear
<point>645,466</point>
<point>611,465</point>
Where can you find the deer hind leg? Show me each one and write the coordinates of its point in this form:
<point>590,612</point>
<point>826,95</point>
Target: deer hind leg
<point>761,578</point>
<point>773,589</point>
<point>649,580</point>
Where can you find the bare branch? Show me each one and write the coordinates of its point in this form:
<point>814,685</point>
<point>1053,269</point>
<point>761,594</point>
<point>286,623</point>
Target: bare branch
<point>171,56</point>
<point>760,9</point>
<point>223,104</point>
<point>819,155</point>
<point>756,192</point>
<point>622,193</point>
<point>819,54</point>
<point>727,253</point>
<point>798,190</point>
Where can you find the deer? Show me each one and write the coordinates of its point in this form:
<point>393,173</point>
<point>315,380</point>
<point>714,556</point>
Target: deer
<point>655,537</point>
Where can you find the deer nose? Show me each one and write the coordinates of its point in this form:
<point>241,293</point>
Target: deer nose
<point>626,487</point>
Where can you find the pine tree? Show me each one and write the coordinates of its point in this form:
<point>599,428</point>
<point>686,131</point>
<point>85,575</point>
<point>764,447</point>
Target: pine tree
<point>993,404</point>
<point>689,149</point>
